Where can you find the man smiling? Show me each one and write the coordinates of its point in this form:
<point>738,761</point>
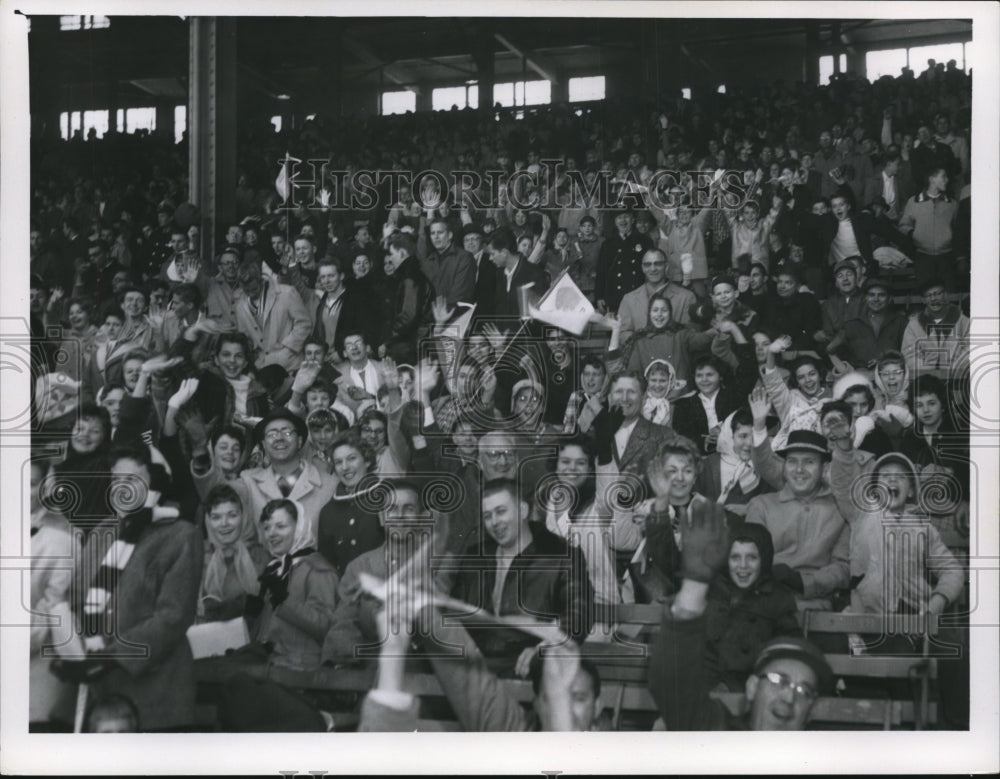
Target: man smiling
<point>811,538</point>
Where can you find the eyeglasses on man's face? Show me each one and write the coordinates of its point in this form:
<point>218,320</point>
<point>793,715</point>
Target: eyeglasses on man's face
<point>784,682</point>
<point>500,454</point>
<point>287,433</point>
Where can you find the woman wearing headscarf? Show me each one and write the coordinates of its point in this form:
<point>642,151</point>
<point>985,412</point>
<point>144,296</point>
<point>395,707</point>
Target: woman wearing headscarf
<point>728,476</point>
<point>746,608</point>
<point>298,589</point>
<point>233,558</point>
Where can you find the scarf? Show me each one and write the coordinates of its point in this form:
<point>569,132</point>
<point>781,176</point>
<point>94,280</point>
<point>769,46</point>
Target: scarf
<point>278,569</point>
<point>100,595</point>
<point>656,410</point>
<point>732,469</point>
<point>217,567</point>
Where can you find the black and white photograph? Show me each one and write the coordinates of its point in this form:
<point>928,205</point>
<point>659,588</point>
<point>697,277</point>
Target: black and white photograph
<point>374,375</point>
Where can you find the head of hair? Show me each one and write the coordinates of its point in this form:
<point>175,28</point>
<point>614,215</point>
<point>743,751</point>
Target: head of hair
<point>221,493</point>
<point>321,343</point>
<point>658,296</point>
<point>711,361</point>
<point>801,361</point>
<point>584,442</point>
<point>677,447</point>
<point>228,430</point>
<point>239,339</point>
<point>503,239</point>
<point>189,293</point>
<point>890,357</point>
<point>112,308</point>
<point>373,413</point>
<point>404,242</point>
<point>787,269</point>
<point>593,361</point>
<point>275,505</point>
<point>509,486</point>
<point>113,707</point>
<point>352,438</point>
<point>637,375</point>
<point>133,452</point>
<point>841,406</point>
<point>865,390</point>
<point>929,385</point>
<point>742,418</point>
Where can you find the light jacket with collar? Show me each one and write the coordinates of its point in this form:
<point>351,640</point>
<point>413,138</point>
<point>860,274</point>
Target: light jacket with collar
<point>893,556</point>
<point>810,534</point>
<point>930,221</point>
<point>298,626</point>
<point>281,321</point>
<point>257,486</point>
<point>937,348</point>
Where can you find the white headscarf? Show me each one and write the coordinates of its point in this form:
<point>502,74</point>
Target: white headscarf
<point>216,569</point>
<point>732,469</point>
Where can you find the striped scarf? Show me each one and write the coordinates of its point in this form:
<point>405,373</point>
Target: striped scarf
<point>100,595</point>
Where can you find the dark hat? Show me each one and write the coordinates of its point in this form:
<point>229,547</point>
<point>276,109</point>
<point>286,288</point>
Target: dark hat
<point>933,281</point>
<point>845,265</point>
<point>722,278</point>
<point>472,229</point>
<point>805,441</point>
<point>797,649</point>
<point>877,282</point>
<point>280,413</point>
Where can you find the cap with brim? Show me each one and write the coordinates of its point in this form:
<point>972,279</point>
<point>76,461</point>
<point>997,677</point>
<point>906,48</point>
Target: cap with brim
<point>845,265</point>
<point>801,650</point>
<point>722,278</point>
<point>805,441</point>
<point>930,284</point>
<point>876,284</point>
<point>280,413</point>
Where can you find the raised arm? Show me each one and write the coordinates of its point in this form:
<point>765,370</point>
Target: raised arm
<point>677,668</point>
<point>767,464</point>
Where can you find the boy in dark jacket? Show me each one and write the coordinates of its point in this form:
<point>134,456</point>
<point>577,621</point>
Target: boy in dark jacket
<point>746,608</point>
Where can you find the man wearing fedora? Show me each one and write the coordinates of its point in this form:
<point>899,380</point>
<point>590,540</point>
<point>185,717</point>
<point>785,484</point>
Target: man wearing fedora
<point>291,474</point>
<point>811,538</point>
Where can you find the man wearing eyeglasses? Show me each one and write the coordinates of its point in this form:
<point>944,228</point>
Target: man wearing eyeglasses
<point>498,459</point>
<point>289,475</point>
<point>789,673</point>
<point>634,307</point>
<point>936,340</point>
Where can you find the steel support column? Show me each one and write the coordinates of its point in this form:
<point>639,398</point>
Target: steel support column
<point>211,120</point>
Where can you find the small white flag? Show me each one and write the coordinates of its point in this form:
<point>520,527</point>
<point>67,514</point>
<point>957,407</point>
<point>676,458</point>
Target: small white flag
<point>564,306</point>
<point>285,181</point>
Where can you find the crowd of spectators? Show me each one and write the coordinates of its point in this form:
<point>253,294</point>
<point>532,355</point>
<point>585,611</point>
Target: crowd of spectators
<point>246,438</point>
